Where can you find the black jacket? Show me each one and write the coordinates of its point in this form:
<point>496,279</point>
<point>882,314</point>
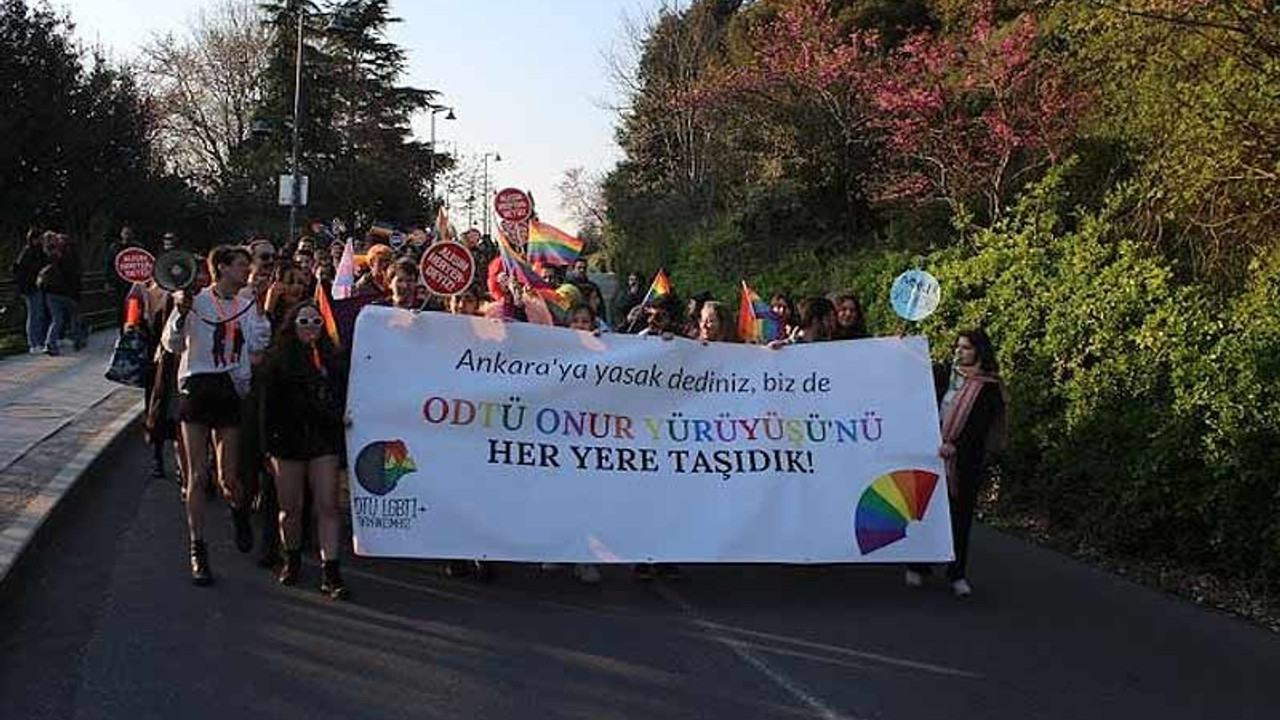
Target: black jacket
<point>27,266</point>
<point>971,446</point>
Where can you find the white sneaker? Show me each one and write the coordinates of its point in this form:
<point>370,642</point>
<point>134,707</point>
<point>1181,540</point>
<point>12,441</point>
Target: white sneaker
<point>587,573</point>
<point>961,588</point>
<point>914,579</point>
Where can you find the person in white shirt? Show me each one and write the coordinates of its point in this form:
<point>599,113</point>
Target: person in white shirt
<point>215,331</point>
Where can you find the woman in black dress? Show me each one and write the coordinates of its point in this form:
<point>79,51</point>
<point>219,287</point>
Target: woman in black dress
<point>305,383</point>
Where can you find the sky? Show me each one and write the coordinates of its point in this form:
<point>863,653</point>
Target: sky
<point>526,79</point>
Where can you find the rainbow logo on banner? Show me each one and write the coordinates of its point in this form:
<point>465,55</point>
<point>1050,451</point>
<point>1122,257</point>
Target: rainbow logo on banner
<point>381,465</point>
<point>889,505</point>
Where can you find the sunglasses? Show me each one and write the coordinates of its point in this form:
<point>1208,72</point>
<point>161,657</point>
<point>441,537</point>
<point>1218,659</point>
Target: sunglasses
<point>309,322</point>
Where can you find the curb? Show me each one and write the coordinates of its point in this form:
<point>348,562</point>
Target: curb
<point>18,536</point>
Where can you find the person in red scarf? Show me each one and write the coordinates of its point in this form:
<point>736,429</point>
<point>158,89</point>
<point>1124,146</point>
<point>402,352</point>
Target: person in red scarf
<point>971,406</point>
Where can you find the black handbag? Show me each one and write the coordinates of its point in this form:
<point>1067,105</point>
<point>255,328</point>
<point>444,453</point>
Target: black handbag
<point>129,359</point>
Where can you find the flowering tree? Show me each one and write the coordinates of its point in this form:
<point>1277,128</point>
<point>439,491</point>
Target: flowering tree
<point>955,119</point>
<point>968,119</point>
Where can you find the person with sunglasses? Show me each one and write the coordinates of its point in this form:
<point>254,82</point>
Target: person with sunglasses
<point>304,390</point>
<point>215,331</point>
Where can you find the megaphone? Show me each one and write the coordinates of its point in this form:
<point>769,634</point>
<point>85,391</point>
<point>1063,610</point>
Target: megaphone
<point>175,270</point>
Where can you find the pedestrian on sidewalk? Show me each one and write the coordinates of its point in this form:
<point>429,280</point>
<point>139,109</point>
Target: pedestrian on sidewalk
<point>305,384</point>
<point>26,268</point>
<point>215,331</point>
<point>54,281</point>
<point>971,405</point>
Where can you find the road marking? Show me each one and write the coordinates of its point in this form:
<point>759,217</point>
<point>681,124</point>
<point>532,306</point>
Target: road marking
<point>744,653</point>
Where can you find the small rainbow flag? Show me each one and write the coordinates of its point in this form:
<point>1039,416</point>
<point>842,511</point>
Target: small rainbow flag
<point>757,322</point>
<point>552,246</point>
<point>517,265</point>
<point>659,290</point>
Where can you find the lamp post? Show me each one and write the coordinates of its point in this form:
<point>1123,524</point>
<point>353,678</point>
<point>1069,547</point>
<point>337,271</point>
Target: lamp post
<point>294,198</point>
<point>486,206</point>
<point>432,160</point>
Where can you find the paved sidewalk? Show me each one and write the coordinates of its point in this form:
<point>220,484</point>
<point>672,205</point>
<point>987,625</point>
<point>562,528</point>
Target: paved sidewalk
<point>57,414</point>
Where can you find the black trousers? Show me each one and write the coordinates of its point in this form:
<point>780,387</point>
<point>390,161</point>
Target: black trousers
<point>963,506</point>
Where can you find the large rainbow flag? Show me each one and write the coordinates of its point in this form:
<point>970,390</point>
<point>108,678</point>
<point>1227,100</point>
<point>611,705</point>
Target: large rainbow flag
<point>659,290</point>
<point>757,322</point>
<point>552,246</point>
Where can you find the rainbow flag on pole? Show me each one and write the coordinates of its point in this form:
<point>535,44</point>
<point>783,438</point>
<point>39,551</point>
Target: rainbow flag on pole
<point>659,290</point>
<point>516,264</point>
<point>552,246</point>
<point>756,321</point>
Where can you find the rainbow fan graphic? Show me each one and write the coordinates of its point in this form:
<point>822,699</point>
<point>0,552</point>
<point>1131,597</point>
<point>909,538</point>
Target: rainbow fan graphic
<point>380,465</point>
<point>890,503</point>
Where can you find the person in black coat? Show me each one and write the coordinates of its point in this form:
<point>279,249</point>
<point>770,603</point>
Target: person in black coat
<point>26,268</point>
<point>971,406</point>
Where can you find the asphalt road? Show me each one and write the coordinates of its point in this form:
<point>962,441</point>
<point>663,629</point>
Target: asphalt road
<point>99,621</point>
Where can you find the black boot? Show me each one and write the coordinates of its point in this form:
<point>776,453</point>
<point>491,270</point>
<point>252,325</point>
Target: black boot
<point>244,529</point>
<point>291,569</point>
<point>331,583</point>
<point>200,573</point>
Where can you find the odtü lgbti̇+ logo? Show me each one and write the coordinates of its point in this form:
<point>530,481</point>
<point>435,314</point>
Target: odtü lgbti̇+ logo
<point>381,464</point>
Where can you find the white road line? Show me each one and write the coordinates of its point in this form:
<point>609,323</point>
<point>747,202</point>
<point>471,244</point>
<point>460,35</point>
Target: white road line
<point>744,653</point>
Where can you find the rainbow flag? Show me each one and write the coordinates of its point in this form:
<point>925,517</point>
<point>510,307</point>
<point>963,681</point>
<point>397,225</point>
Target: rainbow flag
<point>757,322</point>
<point>444,230</point>
<point>659,290</point>
<point>326,313</point>
<point>552,246</point>
<point>517,265</point>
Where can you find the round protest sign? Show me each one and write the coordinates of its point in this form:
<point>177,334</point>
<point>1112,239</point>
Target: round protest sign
<point>915,295</point>
<point>512,204</point>
<point>448,268</point>
<point>135,265</point>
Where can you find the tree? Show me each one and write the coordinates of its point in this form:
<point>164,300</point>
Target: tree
<point>205,89</point>
<point>971,118</point>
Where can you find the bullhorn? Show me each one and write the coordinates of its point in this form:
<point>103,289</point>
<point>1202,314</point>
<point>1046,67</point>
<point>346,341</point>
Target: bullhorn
<point>175,270</point>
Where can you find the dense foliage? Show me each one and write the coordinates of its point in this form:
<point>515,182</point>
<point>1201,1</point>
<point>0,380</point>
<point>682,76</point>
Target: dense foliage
<point>1096,183</point>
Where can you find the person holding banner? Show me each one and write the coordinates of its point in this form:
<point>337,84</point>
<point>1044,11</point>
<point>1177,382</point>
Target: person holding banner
<point>714,324</point>
<point>817,323</point>
<point>971,406</point>
<point>381,258</point>
<point>213,376</point>
<point>305,381</point>
<point>851,324</point>
<point>404,285</point>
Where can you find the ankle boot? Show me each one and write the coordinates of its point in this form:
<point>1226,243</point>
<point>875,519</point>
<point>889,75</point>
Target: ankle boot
<point>292,568</point>
<point>331,583</point>
<point>201,574</point>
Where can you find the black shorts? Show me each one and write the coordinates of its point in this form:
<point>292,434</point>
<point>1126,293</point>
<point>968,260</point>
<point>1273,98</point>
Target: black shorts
<point>210,400</point>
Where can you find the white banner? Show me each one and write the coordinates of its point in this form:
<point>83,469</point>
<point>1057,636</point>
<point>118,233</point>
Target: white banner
<point>473,438</point>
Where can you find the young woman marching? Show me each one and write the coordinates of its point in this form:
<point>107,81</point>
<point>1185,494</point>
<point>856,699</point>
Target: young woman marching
<point>304,387</point>
<point>214,331</point>
<point>971,405</point>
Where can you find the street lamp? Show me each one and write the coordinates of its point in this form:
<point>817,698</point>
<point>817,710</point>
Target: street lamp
<point>432,161</point>
<point>337,24</point>
<point>487,206</point>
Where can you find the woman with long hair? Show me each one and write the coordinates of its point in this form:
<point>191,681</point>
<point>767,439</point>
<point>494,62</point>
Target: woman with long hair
<point>971,406</point>
<point>305,382</point>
